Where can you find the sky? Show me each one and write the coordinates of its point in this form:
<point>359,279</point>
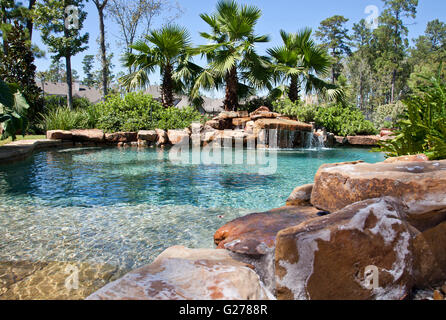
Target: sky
<point>290,15</point>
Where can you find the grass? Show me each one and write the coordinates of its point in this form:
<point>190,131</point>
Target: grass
<point>6,141</point>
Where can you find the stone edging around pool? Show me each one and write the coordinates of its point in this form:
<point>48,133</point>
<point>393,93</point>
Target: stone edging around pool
<point>360,232</point>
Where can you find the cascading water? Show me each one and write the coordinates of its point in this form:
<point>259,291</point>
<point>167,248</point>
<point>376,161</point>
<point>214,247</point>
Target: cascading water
<point>313,141</point>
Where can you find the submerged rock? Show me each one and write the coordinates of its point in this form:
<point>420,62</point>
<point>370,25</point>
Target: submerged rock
<point>188,274</point>
<point>329,258</point>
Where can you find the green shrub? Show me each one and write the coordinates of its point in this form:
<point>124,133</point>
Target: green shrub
<point>337,119</point>
<point>138,111</point>
<point>387,116</point>
<point>424,130</point>
<point>62,118</point>
<point>300,111</point>
<point>253,104</point>
<point>54,102</point>
<point>344,121</point>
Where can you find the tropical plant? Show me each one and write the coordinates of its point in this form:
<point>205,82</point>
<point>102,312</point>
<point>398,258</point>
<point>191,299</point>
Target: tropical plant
<point>167,50</point>
<point>13,109</point>
<point>387,116</point>
<point>299,61</point>
<point>63,118</point>
<point>424,130</point>
<point>233,62</point>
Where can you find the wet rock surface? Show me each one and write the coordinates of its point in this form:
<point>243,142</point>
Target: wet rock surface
<point>327,258</point>
<point>188,274</point>
<point>255,233</point>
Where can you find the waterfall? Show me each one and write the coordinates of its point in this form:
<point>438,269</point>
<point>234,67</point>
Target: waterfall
<point>291,139</point>
<point>313,141</point>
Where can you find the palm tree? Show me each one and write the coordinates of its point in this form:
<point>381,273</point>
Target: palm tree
<point>299,61</point>
<point>232,59</point>
<point>167,50</point>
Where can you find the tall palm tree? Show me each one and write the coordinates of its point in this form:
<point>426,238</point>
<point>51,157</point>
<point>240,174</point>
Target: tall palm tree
<point>298,62</point>
<point>232,59</point>
<point>165,49</point>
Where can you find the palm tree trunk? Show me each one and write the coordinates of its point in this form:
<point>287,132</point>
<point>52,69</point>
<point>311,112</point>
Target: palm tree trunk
<point>103,51</point>
<point>167,88</point>
<point>231,98</point>
<point>293,93</point>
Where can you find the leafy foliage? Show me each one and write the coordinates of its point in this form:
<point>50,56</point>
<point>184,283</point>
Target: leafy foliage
<point>336,118</point>
<point>387,116</point>
<point>17,66</point>
<point>137,111</point>
<point>13,110</point>
<point>424,130</point>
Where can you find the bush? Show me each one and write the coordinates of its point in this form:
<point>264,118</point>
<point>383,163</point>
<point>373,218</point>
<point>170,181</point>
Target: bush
<point>387,116</point>
<point>138,111</point>
<point>255,103</point>
<point>344,121</point>
<point>54,102</point>
<point>424,130</point>
<point>302,112</point>
<point>337,119</point>
<point>62,118</point>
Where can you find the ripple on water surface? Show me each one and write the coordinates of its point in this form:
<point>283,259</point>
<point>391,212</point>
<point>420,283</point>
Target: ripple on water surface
<point>123,207</point>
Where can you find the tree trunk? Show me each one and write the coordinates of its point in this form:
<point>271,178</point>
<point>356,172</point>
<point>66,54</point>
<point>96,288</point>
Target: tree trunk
<point>103,51</point>
<point>29,22</point>
<point>5,41</point>
<point>293,93</point>
<point>69,83</point>
<point>167,88</point>
<point>231,98</point>
<point>392,96</point>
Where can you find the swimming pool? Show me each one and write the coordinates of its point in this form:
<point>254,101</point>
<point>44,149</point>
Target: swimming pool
<point>125,206</point>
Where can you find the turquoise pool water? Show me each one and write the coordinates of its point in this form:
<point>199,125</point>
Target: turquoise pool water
<point>125,206</point>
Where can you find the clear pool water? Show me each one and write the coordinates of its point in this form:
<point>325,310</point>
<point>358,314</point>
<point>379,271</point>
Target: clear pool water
<point>124,206</point>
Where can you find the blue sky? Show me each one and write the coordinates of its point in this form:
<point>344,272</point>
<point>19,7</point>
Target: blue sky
<point>290,15</point>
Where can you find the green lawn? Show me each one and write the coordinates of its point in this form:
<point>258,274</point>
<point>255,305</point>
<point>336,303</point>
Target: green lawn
<point>6,141</point>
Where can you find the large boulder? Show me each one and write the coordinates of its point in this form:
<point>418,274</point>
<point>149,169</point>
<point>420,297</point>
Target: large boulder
<point>412,158</point>
<point>420,186</point>
<point>240,122</point>
<point>256,232</point>
<point>59,135</point>
<point>329,258</point>
<point>281,124</point>
<point>147,135</point>
<point>219,124</point>
<point>121,137</point>
<point>179,136</point>
<point>363,140</point>
<point>188,274</point>
<point>88,135</point>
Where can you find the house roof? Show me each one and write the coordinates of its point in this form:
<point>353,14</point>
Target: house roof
<point>61,89</point>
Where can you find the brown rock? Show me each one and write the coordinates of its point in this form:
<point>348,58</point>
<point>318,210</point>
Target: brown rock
<point>341,140</point>
<point>419,186</point>
<point>438,295</point>
<point>240,122</point>
<point>260,110</point>
<point>196,128</point>
<point>147,135</point>
<point>430,256</point>
<point>59,135</point>
<point>256,232</point>
<point>121,137</point>
<point>363,140</point>
<point>219,124</point>
<point>162,137</point>
<point>265,115</point>
<point>91,135</point>
<point>179,136</point>
<point>385,132</point>
<point>300,196</point>
<point>327,258</point>
<point>280,124</point>
<point>443,288</point>
<point>185,274</point>
<point>413,158</point>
